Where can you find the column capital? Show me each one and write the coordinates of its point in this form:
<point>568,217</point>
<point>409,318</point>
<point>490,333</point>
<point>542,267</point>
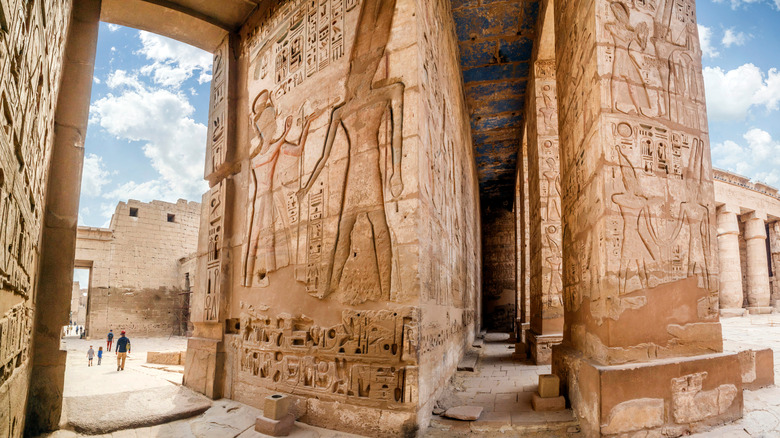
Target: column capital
<point>728,208</point>
<point>755,215</point>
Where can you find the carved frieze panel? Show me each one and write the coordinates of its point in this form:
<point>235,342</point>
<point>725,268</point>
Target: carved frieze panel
<point>323,168</point>
<point>370,357</point>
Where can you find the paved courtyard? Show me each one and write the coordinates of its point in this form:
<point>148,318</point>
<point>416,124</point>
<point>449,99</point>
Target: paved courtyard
<point>500,384</point>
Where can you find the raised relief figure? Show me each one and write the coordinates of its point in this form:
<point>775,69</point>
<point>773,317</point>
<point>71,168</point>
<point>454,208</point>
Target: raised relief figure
<point>260,258</point>
<point>363,246</point>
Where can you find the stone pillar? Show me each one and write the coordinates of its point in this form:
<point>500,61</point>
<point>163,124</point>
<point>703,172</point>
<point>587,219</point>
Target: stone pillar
<point>544,185</point>
<point>523,253</point>
<point>58,244</point>
<point>774,263</point>
<point>758,291</point>
<point>731,295</point>
<point>639,247</point>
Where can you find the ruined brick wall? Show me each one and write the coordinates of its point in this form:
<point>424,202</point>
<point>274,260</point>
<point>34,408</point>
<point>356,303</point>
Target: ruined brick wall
<point>499,270</point>
<point>32,36</point>
<point>137,279</point>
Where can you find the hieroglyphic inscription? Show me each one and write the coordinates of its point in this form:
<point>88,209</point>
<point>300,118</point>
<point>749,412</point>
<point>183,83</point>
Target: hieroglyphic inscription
<point>219,126</point>
<point>214,257</point>
<point>371,356</point>
<point>299,39</point>
<point>15,332</point>
<point>31,45</point>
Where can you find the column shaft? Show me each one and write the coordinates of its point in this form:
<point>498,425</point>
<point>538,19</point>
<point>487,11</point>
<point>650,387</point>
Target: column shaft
<point>757,265</point>
<point>731,294</point>
<point>58,242</point>
<point>544,185</point>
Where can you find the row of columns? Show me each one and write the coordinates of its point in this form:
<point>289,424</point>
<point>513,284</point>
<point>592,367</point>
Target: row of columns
<point>756,262</point>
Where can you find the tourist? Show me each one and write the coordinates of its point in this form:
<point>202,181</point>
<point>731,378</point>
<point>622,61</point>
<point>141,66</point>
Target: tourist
<point>100,354</point>
<point>122,348</point>
<point>110,340</point>
<point>90,355</point>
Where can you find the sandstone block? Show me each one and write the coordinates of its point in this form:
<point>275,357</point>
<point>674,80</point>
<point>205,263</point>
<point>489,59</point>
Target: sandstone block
<point>548,403</point>
<point>276,406</point>
<point>466,413</point>
<point>164,357</point>
<point>281,427</point>
<point>549,386</point>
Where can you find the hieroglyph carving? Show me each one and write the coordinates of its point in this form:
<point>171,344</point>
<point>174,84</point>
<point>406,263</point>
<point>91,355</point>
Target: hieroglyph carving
<point>370,357</point>
<point>215,256</point>
<point>31,45</point>
<point>653,137</point>
<point>219,110</point>
<point>287,224</point>
<point>298,39</point>
<point>15,332</point>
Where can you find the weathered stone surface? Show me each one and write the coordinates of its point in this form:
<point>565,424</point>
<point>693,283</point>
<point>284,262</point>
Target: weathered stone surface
<point>469,361</point>
<point>549,386</point>
<point>280,427</point>
<point>545,404</point>
<point>276,406</point>
<point>631,415</point>
<point>466,413</point>
<point>164,357</point>
<point>138,409</point>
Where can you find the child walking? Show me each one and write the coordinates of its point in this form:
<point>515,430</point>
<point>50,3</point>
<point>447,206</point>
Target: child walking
<point>100,354</point>
<point>90,355</point>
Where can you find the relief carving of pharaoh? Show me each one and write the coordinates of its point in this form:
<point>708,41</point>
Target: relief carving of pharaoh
<point>331,225</point>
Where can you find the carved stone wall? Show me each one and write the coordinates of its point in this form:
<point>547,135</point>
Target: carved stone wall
<point>499,275</point>
<point>639,213</point>
<point>32,36</point>
<point>340,234</point>
<point>523,236</point>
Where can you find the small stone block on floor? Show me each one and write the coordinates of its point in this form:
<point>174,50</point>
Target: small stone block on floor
<point>276,406</point>
<point>549,385</point>
<point>478,343</point>
<point>271,427</point>
<point>465,413</point>
<point>548,404</point>
<point>469,362</point>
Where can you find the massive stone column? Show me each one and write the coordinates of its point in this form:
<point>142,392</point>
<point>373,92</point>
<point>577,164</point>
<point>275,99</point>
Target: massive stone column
<point>731,295</point>
<point>774,249</point>
<point>640,256</point>
<point>758,291</point>
<point>544,183</point>
<point>523,255</point>
<point>58,242</point>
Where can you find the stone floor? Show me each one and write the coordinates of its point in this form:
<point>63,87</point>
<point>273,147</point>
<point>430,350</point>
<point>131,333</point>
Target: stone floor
<point>761,417</point>
<point>502,385</point>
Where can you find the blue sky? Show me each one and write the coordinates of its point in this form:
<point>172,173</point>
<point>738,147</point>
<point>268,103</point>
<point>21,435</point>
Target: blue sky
<point>147,130</point>
<point>741,44</point>
<point>146,137</point>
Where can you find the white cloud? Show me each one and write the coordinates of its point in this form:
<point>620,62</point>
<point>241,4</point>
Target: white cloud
<point>759,158</point>
<point>734,38</point>
<point>94,176</point>
<point>731,94</point>
<point>113,27</point>
<point>95,79</point>
<point>735,4</point>
<point>705,38</point>
<point>162,120</point>
<point>173,62</point>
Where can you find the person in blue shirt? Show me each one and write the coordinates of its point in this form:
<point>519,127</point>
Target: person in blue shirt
<point>110,340</point>
<point>122,348</point>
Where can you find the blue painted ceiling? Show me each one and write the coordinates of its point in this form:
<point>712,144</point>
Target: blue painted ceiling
<point>496,39</point>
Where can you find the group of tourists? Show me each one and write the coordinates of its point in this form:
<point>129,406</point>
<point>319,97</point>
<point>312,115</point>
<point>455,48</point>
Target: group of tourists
<point>122,348</point>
